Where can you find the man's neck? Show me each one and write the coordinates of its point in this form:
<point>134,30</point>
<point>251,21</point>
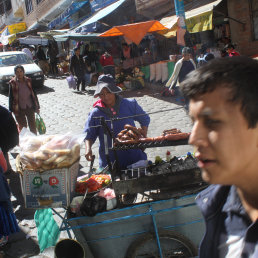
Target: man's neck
<point>250,203</point>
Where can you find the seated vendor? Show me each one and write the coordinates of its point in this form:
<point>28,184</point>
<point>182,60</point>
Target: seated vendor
<point>111,105</point>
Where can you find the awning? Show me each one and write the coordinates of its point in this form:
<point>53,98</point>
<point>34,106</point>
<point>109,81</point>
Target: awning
<point>135,31</point>
<point>77,36</point>
<point>72,9</point>
<point>49,34</point>
<point>36,40</point>
<point>198,19</point>
<point>102,13</point>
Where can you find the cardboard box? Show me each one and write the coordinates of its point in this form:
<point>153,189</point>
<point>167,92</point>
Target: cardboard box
<point>52,188</point>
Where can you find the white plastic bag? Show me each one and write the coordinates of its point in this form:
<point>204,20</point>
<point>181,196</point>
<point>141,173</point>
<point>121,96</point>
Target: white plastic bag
<point>71,82</point>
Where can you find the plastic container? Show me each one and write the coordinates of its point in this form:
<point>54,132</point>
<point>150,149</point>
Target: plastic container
<point>168,156</point>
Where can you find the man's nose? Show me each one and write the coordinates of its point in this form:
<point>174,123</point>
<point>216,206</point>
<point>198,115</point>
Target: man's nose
<point>198,135</point>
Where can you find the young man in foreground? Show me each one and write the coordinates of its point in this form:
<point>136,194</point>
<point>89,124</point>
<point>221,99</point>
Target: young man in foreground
<point>224,109</point>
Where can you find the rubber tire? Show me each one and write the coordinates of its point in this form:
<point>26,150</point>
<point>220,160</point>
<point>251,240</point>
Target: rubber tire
<point>137,244</point>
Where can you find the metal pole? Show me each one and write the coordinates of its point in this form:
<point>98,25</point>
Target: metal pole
<point>155,230</point>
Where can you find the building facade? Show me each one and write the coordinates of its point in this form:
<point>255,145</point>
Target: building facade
<point>41,12</point>
<point>244,27</point>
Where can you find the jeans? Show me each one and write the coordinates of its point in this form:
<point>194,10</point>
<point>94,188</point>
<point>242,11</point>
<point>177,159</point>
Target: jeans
<point>87,78</point>
<point>80,80</point>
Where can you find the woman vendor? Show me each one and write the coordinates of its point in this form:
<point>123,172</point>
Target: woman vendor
<point>111,105</point>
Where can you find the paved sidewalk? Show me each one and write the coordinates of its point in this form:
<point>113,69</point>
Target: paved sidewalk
<point>65,110</point>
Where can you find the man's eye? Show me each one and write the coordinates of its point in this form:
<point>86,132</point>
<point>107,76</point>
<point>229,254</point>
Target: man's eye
<point>211,123</point>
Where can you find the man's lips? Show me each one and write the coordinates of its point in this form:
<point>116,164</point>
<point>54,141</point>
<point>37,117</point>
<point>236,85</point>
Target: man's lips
<point>204,162</point>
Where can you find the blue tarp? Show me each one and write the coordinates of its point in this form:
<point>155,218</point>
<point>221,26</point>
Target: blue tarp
<point>96,5</point>
<point>62,18</point>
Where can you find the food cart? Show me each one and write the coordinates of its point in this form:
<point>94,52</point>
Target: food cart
<point>164,223</point>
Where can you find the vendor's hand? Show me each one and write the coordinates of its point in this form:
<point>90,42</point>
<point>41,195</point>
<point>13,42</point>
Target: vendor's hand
<point>88,155</point>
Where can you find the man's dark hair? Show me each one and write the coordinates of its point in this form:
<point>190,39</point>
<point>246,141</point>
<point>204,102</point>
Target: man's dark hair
<point>17,67</point>
<point>239,74</point>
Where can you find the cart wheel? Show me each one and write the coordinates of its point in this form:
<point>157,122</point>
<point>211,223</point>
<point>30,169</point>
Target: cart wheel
<point>173,245</point>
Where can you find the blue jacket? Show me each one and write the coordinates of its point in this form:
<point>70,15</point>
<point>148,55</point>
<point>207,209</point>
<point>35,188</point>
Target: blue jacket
<point>128,107</point>
<point>224,214</point>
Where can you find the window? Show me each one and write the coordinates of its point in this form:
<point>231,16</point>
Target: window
<point>29,7</point>
<point>254,6</point>
<point>5,5</point>
<point>38,1</point>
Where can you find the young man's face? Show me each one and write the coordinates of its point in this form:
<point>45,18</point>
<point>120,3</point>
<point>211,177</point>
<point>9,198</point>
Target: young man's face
<point>225,147</point>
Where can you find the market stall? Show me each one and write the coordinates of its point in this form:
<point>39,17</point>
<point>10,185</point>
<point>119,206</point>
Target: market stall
<point>159,217</point>
<point>148,207</point>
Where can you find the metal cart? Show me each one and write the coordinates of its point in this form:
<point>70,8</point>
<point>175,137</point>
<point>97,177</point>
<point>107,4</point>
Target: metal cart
<point>170,225</point>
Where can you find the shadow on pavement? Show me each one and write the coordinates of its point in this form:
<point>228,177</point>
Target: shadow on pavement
<point>44,90</point>
<point>19,246</point>
<point>19,206</point>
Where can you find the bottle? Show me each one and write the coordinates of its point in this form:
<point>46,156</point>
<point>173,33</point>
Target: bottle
<point>168,156</point>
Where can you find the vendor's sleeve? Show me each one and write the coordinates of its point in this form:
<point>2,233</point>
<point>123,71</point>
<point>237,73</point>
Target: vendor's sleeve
<point>90,128</point>
<point>143,120</point>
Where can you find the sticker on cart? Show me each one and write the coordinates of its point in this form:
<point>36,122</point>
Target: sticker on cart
<point>53,181</point>
<point>37,182</point>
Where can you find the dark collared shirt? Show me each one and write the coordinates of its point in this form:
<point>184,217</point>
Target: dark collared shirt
<point>229,230</point>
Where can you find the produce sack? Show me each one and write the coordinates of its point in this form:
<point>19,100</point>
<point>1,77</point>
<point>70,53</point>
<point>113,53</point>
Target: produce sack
<point>40,125</point>
<point>71,82</point>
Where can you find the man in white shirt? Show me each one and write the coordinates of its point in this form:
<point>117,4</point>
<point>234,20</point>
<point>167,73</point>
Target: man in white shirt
<point>27,52</point>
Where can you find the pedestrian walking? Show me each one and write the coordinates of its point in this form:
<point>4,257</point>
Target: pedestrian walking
<point>223,107</point>
<point>23,101</point>
<point>182,67</point>
<point>52,54</point>
<point>42,60</point>
<point>77,68</point>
